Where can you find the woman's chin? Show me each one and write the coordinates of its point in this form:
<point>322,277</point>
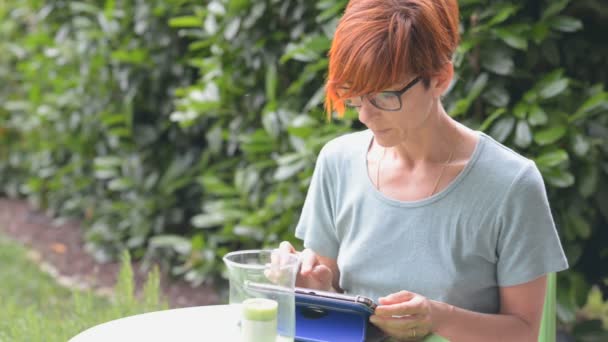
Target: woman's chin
<point>384,138</point>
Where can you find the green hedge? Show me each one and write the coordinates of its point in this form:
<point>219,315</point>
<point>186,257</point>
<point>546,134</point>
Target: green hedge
<point>182,130</point>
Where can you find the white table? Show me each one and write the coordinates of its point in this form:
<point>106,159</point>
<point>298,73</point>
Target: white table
<point>201,323</point>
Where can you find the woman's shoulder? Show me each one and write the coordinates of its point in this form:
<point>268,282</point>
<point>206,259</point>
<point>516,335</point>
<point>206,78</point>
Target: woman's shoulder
<point>346,146</point>
<point>504,166</point>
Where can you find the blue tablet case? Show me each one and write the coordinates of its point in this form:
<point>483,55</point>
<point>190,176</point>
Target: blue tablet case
<point>327,320</point>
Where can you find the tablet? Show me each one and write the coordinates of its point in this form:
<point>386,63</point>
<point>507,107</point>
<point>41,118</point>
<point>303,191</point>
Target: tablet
<point>323,316</point>
<point>360,304</point>
<point>329,316</point>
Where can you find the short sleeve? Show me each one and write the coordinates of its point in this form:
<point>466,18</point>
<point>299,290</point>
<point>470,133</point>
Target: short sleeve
<point>316,224</point>
<point>528,244</point>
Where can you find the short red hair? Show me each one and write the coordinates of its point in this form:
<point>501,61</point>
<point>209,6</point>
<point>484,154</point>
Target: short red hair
<point>379,43</point>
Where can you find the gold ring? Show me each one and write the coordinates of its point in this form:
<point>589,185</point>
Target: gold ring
<point>413,333</point>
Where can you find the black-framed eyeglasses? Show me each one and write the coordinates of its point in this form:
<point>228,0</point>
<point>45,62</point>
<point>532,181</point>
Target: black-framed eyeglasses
<point>389,100</point>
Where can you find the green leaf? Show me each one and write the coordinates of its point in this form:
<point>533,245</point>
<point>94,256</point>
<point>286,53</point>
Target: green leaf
<point>579,225</point>
<point>551,159</point>
<point>512,39</point>
<point>588,183</point>
<point>210,24</point>
<point>120,184</point>
<point>559,178</point>
<point>208,220</point>
<point>81,6</point>
<point>106,174</point>
<point>236,6</point>
<point>552,84</point>
<point>271,82</point>
<point>478,86</point>
<point>272,124</point>
<point>531,96</point>
<point>523,134</point>
<point>462,106</point>
<point>136,56</point>
<point>114,119</point>
<point>216,8</point>
<point>555,7</point>
<point>537,116</point>
<point>302,126</point>
<point>502,129</point>
<point>540,32</point>
<point>109,9</point>
<point>566,24</point>
<point>595,306</point>
<point>308,50</point>
<point>185,22</point>
<point>503,14</point>
<point>498,62</point>
<point>284,172</point>
<point>588,107</point>
<point>330,12</point>
<point>520,110</point>
<point>217,218</point>
<point>256,12</point>
<point>213,184</point>
<point>178,243</point>
<point>248,231</point>
<point>497,96</point>
<point>550,135</point>
<point>580,145</point>
<point>554,88</point>
<point>232,28</point>
<point>491,118</point>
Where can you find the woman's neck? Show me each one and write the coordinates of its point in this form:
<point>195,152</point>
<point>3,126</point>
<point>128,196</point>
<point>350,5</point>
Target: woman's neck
<point>433,141</point>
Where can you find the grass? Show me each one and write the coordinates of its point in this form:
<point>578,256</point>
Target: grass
<point>34,308</point>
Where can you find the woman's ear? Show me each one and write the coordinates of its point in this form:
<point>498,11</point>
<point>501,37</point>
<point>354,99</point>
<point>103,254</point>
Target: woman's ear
<point>442,80</point>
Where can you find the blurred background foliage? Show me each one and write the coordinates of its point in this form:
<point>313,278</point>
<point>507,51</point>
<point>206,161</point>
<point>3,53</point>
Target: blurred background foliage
<point>182,129</point>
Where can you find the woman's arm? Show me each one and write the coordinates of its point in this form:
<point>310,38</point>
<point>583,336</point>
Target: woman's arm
<point>520,315</point>
<point>409,316</point>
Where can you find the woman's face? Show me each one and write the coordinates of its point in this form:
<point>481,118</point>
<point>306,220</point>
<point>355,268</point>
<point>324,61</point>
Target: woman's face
<point>392,127</point>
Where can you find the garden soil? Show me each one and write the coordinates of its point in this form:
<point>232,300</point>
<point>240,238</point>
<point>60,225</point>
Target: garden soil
<point>58,248</point>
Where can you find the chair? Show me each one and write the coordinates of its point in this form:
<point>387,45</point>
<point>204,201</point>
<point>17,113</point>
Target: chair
<point>547,325</point>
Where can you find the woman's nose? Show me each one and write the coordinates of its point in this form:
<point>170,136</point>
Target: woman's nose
<point>367,112</point>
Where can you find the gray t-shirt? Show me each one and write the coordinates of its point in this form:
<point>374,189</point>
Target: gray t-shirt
<point>491,227</point>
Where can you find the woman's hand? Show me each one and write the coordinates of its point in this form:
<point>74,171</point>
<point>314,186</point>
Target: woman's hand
<point>404,315</point>
<point>313,274</point>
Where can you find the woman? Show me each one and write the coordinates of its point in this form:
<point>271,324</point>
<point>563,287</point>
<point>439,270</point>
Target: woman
<point>447,229</point>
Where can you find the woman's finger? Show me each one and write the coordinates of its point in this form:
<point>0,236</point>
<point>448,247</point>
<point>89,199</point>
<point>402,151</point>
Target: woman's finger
<point>323,275</point>
<point>309,261</point>
<point>394,322</point>
<point>412,307</point>
<point>286,247</point>
<point>398,297</point>
<point>401,328</point>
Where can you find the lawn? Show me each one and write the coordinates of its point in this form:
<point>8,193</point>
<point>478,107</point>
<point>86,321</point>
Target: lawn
<point>34,308</point>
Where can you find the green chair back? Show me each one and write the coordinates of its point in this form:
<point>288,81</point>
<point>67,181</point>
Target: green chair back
<point>547,325</point>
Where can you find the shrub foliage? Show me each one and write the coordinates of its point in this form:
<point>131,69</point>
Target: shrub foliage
<point>185,129</point>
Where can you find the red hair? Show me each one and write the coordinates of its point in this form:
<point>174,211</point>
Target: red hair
<point>379,43</point>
